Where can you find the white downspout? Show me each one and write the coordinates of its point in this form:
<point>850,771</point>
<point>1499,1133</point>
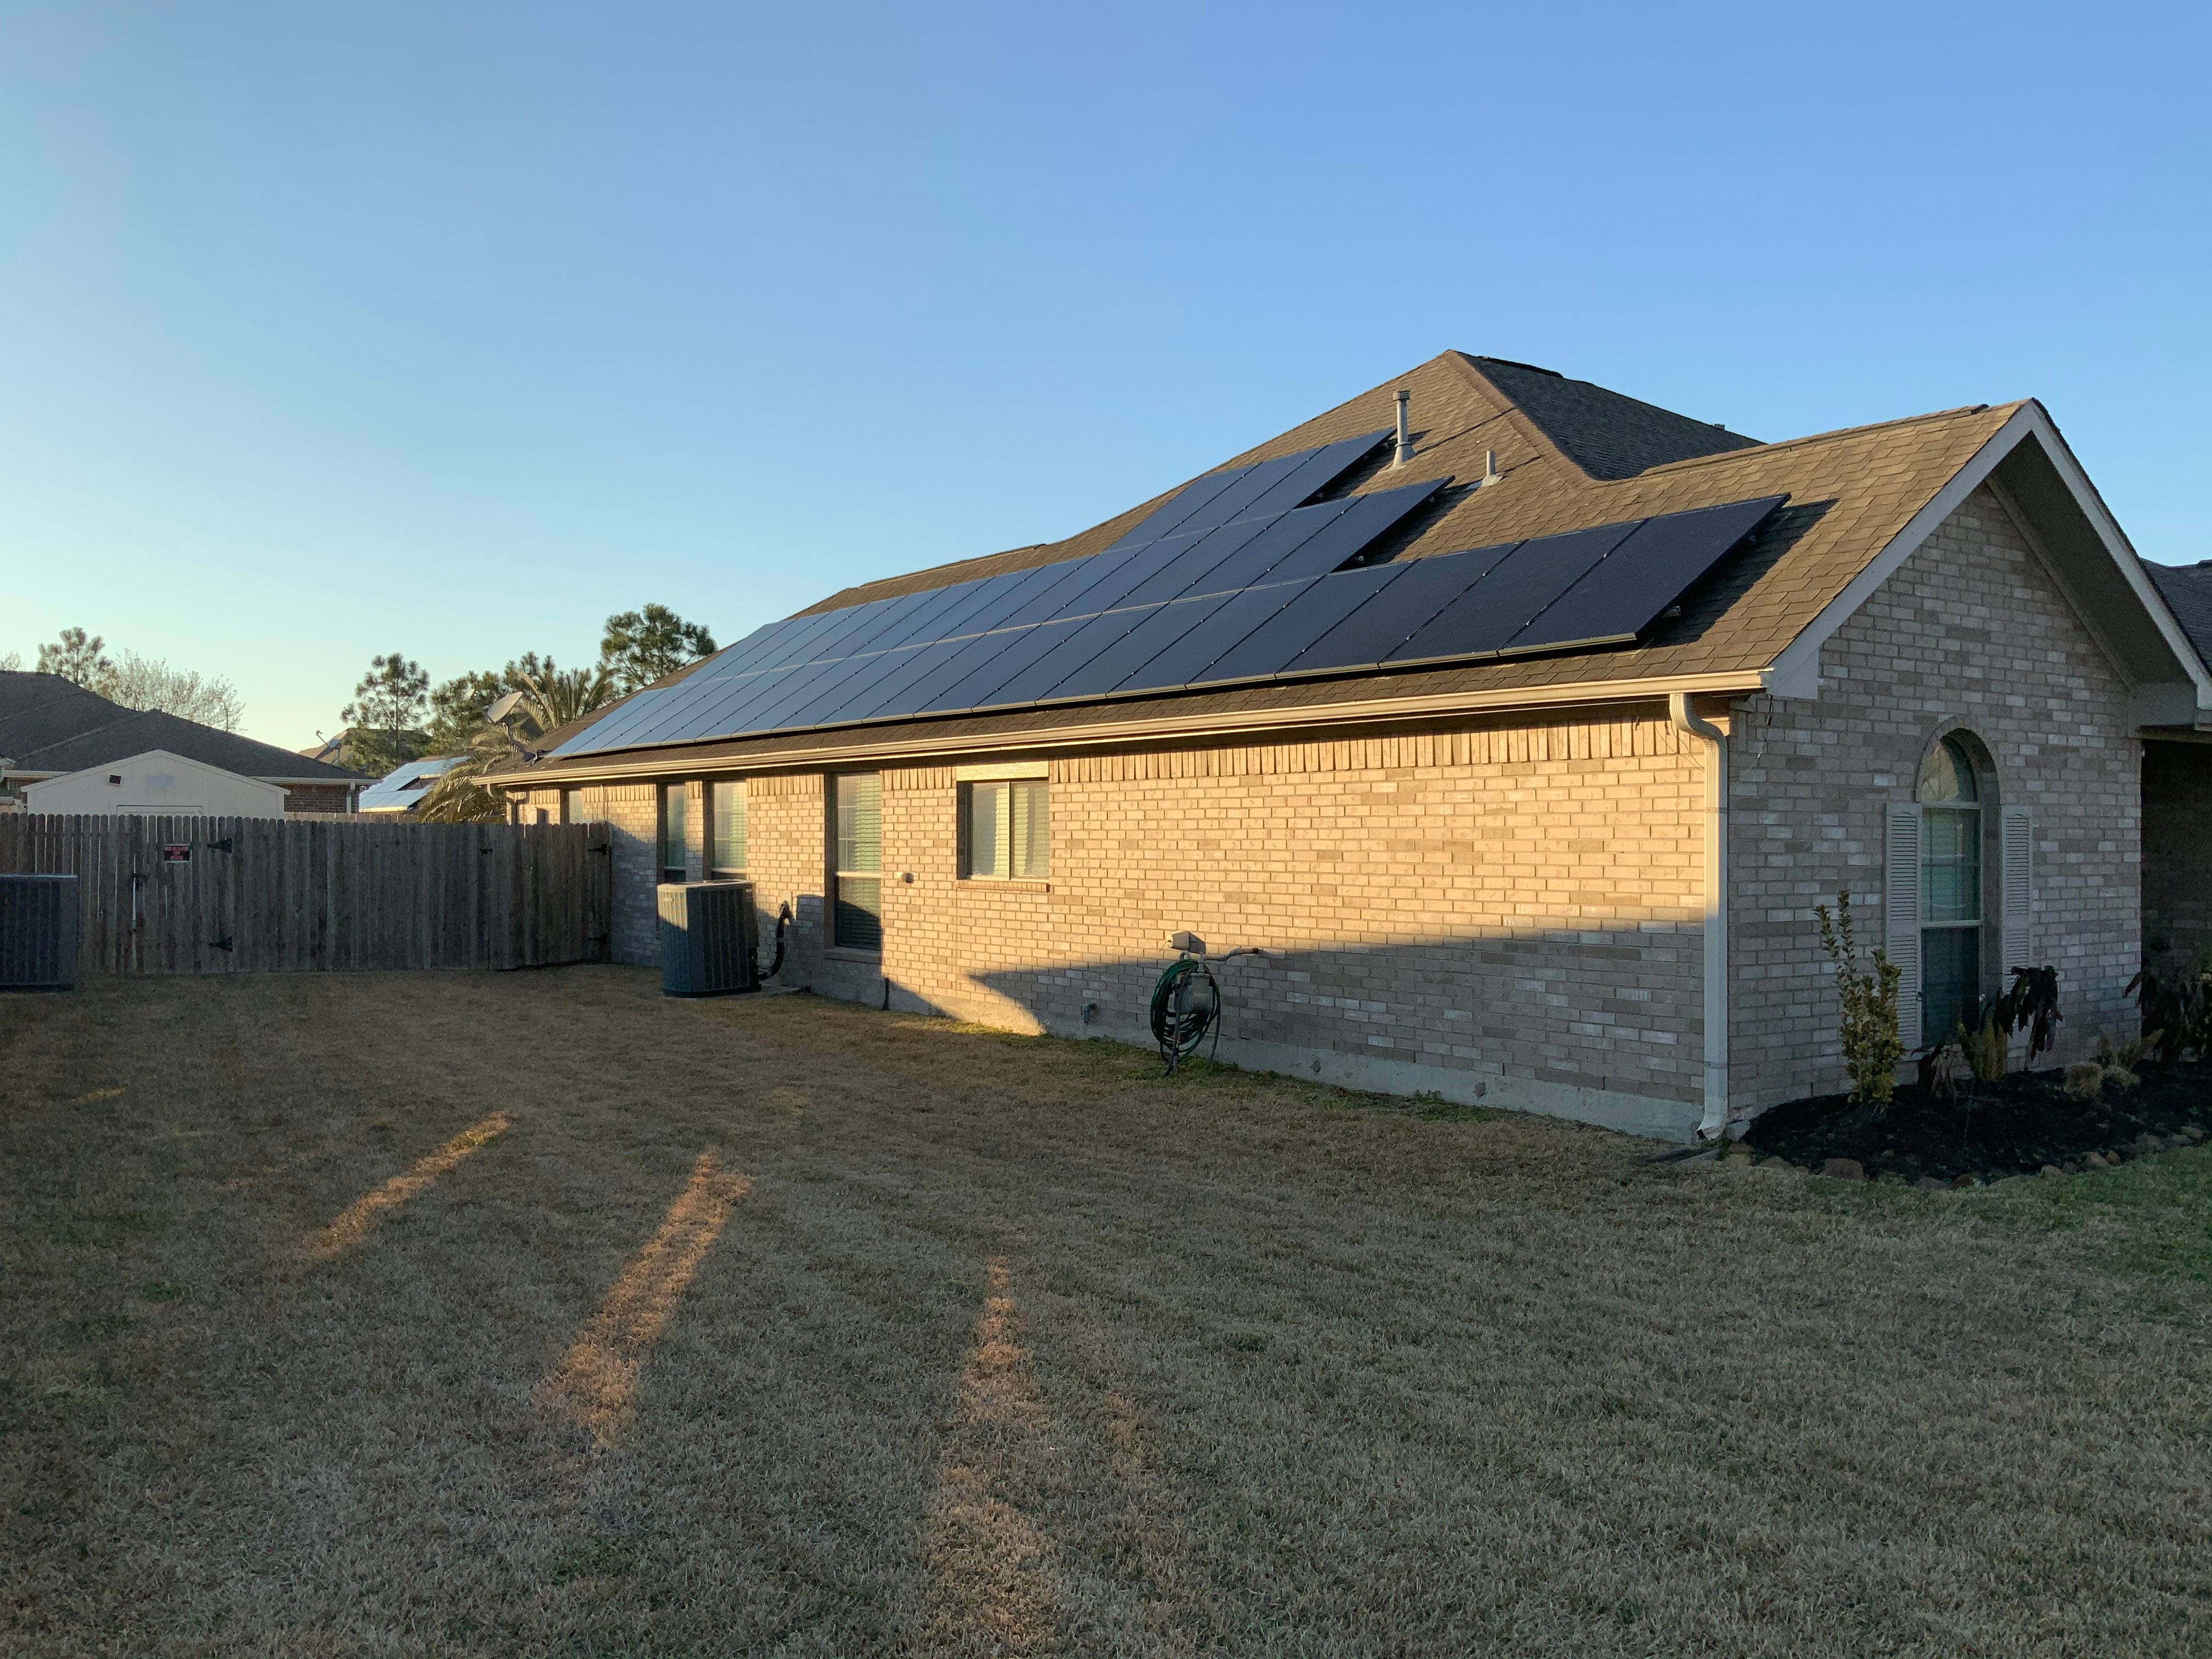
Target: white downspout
<point>1716,890</point>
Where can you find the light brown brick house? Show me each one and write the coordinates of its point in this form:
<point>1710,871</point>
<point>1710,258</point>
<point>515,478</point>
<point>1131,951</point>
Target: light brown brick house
<point>1577,877</point>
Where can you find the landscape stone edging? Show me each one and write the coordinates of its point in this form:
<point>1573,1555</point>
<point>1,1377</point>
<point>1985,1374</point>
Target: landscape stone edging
<point>1849,1169</point>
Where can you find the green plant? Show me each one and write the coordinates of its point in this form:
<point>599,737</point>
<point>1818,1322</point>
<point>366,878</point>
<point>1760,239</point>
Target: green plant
<point>1867,997</point>
<point>1984,1046</point>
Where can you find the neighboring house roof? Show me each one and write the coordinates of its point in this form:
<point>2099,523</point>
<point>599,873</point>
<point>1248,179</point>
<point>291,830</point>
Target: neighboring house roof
<point>402,789</point>
<point>1859,500</point>
<point>48,724</point>
<point>2187,591</point>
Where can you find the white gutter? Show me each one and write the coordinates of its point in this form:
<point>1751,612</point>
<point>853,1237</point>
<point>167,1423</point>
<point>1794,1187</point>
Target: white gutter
<point>1716,896</point>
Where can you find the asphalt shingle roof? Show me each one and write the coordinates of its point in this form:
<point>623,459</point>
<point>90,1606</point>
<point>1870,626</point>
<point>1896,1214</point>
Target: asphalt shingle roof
<point>48,724</point>
<point>1560,445</point>
<point>2187,591</point>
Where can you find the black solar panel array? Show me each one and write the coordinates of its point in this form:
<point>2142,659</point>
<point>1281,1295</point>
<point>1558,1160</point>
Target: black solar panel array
<point>1229,581</point>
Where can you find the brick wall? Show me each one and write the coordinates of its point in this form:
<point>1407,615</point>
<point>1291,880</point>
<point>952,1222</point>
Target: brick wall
<point>321,798</point>
<point>1970,632</point>
<point>1507,911</point>
<point>2177,832</point>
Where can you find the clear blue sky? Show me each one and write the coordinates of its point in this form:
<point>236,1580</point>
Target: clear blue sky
<point>331,328</point>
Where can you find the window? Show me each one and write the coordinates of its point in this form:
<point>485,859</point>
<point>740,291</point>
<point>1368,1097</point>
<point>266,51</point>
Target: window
<point>572,805</point>
<point>726,844</point>
<point>675,822</point>
<point>1950,890</point>
<point>1006,831</point>
<point>856,882</point>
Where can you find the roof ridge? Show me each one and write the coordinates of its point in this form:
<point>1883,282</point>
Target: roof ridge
<point>1524,423</point>
<point>1825,437</point>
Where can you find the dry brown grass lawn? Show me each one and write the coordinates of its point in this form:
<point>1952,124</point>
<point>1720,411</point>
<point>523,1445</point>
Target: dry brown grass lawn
<point>537,1313</point>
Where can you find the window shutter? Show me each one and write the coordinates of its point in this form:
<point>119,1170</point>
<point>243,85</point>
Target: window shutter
<point>1901,917</point>
<point>2017,913</point>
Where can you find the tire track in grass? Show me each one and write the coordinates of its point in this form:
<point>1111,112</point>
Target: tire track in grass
<point>993,1578</point>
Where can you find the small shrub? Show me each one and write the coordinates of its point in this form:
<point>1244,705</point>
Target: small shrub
<point>1984,1046</point>
<point>1868,1001</point>
<point>2086,1080</point>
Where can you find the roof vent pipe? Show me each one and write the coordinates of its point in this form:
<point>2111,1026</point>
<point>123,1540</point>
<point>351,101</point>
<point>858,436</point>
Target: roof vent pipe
<point>1405,429</point>
<point>1491,475</point>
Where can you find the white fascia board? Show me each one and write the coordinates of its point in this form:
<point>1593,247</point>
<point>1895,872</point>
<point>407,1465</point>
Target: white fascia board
<point>1796,671</point>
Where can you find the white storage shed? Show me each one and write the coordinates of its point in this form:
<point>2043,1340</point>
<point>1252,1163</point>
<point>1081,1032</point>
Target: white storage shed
<point>155,783</point>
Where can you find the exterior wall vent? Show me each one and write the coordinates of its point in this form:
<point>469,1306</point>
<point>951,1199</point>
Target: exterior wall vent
<point>38,932</point>
<point>709,939</point>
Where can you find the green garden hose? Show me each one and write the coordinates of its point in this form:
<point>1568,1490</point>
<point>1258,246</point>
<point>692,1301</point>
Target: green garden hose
<point>1186,1006</point>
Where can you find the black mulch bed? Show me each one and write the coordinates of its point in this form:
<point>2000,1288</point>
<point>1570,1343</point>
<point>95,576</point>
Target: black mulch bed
<point>2013,1126</point>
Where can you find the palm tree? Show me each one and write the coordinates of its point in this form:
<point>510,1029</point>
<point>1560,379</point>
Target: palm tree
<point>551,699</point>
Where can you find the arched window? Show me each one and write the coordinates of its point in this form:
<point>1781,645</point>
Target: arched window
<point>1950,889</point>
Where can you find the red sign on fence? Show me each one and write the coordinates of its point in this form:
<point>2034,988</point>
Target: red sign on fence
<point>176,856</point>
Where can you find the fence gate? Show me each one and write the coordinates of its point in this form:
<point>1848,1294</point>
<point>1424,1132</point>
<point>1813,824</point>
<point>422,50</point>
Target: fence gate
<point>222,896</point>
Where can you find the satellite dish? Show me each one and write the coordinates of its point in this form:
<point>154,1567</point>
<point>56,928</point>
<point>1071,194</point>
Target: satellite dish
<point>504,709</point>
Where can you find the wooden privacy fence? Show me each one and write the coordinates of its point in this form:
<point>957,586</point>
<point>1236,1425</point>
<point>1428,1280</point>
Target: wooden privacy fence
<point>236,895</point>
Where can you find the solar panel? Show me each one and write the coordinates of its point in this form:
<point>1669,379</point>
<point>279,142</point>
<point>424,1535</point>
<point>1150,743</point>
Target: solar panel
<point>1171,512</point>
<point>1392,616</point>
<point>1255,489</point>
<point>916,687</point>
<point>870,684</point>
<point>1202,552</point>
<point>1247,590</point>
<point>1023,647</point>
<point>1278,537</point>
<point>1184,661</point>
<point>1091,637</point>
<point>1650,570</point>
<point>1111,592</point>
<point>1316,471</point>
<point>1160,628</point>
<point>1244,494</point>
<point>1274,642</point>
<point>1346,536</point>
<point>1041,604</point>
<point>816,692</point>
<point>774,643</point>
<point>732,708</point>
<point>911,621</point>
<point>1001,595</point>
<point>1528,577</point>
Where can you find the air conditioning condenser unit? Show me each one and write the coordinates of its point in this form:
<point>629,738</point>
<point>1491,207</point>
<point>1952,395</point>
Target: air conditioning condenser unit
<point>709,939</point>
<point>38,932</point>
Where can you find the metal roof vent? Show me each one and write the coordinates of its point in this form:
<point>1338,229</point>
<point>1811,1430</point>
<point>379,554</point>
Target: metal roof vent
<point>1491,475</point>
<point>1405,429</point>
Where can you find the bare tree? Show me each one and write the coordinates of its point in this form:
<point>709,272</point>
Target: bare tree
<point>146,682</point>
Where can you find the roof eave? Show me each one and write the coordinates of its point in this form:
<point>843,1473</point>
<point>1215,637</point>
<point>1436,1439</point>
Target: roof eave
<point>686,759</point>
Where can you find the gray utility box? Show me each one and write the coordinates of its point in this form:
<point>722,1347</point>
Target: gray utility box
<point>38,932</point>
<point>708,939</point>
